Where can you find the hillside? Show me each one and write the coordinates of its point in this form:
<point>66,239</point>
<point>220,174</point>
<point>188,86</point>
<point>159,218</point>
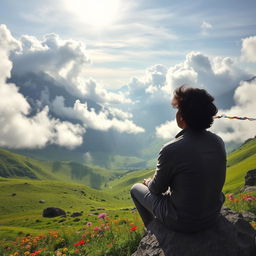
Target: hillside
<point>13,165</point>
<point>239,162</point>
<point>21,211</point>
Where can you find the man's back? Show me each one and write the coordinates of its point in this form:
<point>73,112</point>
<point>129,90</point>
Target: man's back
<point>196,175</point>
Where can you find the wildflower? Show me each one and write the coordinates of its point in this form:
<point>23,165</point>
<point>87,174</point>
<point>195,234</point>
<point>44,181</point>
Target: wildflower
<point>79,243</point>
<point>36,252</point>
<point>230,197</point>
<point>77,251</point>
<point>249,198</point>
<point>89,223</point>
<point>65,249</point>
<point>96,228</point>
<point>16,254</point>
<point>102,216</point>
<point>26,253</point>
<point>110,245</point>
<point>133,228</point>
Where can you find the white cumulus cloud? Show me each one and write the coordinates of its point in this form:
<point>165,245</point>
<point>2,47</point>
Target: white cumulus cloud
<point>18,128</point>
<point>99,121</point>
<point>65,61</point>
<point>168,130</point>
<point>239,130</point>
<point>248,51</point>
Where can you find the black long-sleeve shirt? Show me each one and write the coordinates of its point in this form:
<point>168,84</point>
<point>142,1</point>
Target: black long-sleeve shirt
<point>193,167</point>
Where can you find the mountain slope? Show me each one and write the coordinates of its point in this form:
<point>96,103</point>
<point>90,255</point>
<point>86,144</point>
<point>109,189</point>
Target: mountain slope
<point>17,166</point>
<point>239,162</point>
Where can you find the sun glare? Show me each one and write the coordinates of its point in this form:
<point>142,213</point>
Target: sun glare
<point>97,13</point>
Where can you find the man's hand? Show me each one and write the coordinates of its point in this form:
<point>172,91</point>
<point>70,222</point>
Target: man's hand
<point>146,181</point>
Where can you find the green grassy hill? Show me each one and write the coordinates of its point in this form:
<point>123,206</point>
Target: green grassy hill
<point>18,166</point>
<point>57,184</point>
<point>239,162</point>
<point>21,211</point>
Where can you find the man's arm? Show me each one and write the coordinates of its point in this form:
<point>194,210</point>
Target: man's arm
<point>161,180</point>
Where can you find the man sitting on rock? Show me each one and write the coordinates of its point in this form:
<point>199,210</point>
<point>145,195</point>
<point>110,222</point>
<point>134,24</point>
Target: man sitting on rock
<point>192,168</point>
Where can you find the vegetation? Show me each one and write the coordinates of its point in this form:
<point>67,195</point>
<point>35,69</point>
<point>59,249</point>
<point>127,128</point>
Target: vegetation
<point>17,166</point>
<point>29,186</point>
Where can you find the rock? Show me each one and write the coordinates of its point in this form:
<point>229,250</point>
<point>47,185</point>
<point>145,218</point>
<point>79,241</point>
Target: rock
<point>248,216</point>
<point>76,214</point>
<point>41,201</point>
<point>250,178</point>
<point>51,212</point>
<point>231,236</point>
<point>249,189</point>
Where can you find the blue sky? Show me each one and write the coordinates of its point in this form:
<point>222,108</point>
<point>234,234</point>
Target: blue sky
<point>127,57</point>
<point>141,34</point>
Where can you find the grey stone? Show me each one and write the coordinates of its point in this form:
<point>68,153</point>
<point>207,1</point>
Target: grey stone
<point>250,178</point>
<point>51,212</point>
<point>249,189</point>
<point>248,216</point>
<point>231,236</point>
<point>76,214</point>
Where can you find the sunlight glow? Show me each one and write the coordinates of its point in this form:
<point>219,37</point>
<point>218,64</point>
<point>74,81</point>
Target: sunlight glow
<point>97,13</point>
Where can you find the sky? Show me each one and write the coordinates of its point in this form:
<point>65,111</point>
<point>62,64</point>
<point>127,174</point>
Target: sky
<point>125,56</point>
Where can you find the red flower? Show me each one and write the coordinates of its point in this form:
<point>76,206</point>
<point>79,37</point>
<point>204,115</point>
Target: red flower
<point>79,243</point>
<point>133,228</point>
<point>36,252</point>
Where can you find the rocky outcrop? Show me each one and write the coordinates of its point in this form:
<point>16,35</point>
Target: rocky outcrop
<point>250,178</point>
<point>51,212</point>
<point>249,181</point>
<point>231,236</point>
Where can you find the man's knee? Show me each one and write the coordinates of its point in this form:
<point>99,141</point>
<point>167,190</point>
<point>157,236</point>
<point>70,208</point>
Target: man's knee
<point>135,188</point>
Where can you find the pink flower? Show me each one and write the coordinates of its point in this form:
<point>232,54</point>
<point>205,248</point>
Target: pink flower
<point>89,224</point>
<point>102,215</point>
<point>230,197</point>
<point>249,198</point>
<point>96,228</point>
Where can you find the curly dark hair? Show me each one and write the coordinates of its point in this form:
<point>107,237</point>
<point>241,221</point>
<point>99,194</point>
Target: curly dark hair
<point>196,107</point>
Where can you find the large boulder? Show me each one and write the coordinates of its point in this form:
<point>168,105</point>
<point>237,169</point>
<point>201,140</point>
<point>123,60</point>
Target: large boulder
<point>250,178</point>
<point>249,181</point>
<point>51,212</point>
<point>231,236</point>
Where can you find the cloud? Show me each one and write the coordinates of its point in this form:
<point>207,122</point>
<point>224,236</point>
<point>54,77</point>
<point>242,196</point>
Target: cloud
<point>248,51</point>
<point>20,129</point>
<point>216,74</point>
<point>167,130</point>
<point>100,120</point>
<point>66,62</point>
<point>205,27</point>
<point>237,130</point>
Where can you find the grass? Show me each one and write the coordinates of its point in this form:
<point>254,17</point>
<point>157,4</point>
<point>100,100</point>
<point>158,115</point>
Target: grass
<point>57,184</point>
<point>18,166</point>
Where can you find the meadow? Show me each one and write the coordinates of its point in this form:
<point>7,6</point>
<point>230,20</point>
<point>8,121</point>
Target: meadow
<point>99,221</point>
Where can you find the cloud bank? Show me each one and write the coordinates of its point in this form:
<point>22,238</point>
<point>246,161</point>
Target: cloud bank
<point>100,121</point>
<point>18,128</point>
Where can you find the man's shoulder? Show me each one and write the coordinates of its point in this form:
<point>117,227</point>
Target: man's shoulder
<point>173,144</point>
<point>215,136</point>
